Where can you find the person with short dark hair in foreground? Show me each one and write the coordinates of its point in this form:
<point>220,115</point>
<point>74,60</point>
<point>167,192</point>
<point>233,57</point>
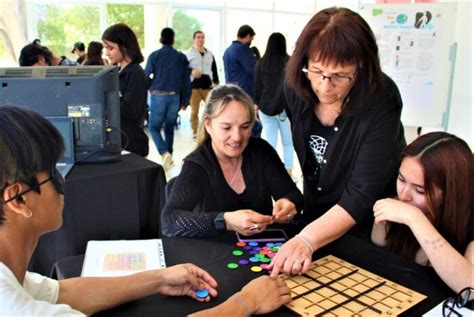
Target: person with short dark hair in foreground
<point>31,204</point>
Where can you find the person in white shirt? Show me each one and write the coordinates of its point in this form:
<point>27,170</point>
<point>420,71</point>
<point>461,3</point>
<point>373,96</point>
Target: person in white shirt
<point>31,204</point>
<point>203,75</point>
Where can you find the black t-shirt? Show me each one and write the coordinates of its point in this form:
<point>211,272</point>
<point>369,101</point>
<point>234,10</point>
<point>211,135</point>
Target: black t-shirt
<point>319,138</point>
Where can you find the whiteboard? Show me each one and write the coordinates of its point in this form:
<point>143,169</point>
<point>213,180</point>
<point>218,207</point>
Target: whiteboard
<point>414,46</point>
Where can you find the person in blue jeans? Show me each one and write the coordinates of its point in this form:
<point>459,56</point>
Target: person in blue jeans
<point>170,90</point>
<point>268,87</point>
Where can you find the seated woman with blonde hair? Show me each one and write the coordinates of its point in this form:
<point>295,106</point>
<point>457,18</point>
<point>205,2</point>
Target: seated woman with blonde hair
<point>431,220</point>
<point>230,181</point>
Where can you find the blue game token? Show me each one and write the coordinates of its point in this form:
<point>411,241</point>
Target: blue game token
<point>254,259</point>
<point>202,293</point>
<point>270,244</point>
<point>253,244</point>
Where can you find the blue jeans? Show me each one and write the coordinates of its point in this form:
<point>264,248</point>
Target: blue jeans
<point>271,125</point>
<point>163,110</point>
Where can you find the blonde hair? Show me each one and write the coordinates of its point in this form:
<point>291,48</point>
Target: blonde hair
<point>217,101</point>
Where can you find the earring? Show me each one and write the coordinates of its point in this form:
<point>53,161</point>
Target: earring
<point>29,214</point>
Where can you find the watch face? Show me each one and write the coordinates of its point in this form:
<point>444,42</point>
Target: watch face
<point>219,222</point>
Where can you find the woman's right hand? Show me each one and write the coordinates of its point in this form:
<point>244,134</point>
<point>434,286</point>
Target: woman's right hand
<point>264,294</point>
<point>246,222</point>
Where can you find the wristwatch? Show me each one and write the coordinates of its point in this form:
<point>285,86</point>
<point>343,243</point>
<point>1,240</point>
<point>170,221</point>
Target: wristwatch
<point>219,222</point>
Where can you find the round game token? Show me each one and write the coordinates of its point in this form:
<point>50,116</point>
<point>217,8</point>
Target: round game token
<point>237,252</point>
<point>278,244</point>
<point>270,254</point>
<point>265,260</point>
<point>253,252</point>
<point>266,248</point>
<point>232,266</point>
<point>253,244</point>
<point>256,269</point>
<point>243,262</point>
<point>257,248</point>
<point>202,293</point>
<point>241,244</point>
<point>264,266</point>
<point>275,249</point>
<point>259,255</point>
<point>270,244</point>
<point>254,259</point>
<point>263,251</point>
<point>248,248</point>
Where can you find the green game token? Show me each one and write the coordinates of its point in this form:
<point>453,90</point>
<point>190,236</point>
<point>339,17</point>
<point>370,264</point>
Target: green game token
<point>265,260</point>
<point>237,252</point>
<point>260,256</point>
<point>232,266</point>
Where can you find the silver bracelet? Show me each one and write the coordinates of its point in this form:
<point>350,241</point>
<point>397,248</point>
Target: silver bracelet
<point>306,243</point>
<point>242,303</point>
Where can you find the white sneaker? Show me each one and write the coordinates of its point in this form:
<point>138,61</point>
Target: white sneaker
<point>168,162</point>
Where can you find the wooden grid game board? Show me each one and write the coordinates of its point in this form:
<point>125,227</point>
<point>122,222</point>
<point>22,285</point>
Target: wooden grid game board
<point>334,287</point>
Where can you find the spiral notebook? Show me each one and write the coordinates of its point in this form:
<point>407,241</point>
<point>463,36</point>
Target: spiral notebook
<point>122,257</point>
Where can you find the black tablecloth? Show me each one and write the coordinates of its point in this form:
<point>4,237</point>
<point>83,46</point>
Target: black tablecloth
<point>119,200</point>
<point>213,255</point>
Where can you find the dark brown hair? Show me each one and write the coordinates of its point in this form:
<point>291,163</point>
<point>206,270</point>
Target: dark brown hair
<point>448,165</point>
<point>126,40</point>
<point>340,36</point>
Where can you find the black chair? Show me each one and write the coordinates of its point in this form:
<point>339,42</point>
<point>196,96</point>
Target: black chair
<point>169,187</point>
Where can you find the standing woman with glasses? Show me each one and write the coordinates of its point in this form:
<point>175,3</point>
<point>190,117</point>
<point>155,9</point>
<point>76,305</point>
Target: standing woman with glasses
<point>268,87</point>
<point>431,220</point>
<point>345,115</point>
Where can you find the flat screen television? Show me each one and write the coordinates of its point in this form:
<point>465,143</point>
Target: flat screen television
<point>87,94</point>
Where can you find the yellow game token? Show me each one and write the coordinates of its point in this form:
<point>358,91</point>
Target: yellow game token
<point>256,269</point>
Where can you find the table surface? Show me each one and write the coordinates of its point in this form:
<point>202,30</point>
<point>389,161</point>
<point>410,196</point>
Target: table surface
<point>213,255</point>
<point>112,201</point>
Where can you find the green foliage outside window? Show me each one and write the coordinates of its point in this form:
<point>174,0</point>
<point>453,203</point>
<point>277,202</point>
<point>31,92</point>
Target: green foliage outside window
<point>184,27</point>
<point>132,15</point>
<point>59,27</point>
<point>2,48</point>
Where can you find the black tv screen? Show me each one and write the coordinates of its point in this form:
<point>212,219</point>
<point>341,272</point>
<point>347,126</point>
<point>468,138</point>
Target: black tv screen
<point>87,94</point>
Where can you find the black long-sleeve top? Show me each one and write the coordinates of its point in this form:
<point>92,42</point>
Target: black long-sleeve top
<point>200,192</point>
<point>133,107</point>
<point>268,87</point>
<point>361,160</point>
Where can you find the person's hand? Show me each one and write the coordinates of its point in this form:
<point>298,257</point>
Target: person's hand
<point>246,222</point>
<point>264,294</point>
<point>283,210</point>
<point>294,257</point>
<point>394,210</point>
<point>186,279</point>
<point>196,73</point>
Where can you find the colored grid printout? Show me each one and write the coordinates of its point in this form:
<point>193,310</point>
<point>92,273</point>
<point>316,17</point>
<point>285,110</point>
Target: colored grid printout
<point>333,287</point>
<point>124,262</point>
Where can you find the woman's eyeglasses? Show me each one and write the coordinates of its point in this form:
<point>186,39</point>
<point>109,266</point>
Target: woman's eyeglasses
<point>336,80</point>
<point>460,300</point>
<point>54,176</point>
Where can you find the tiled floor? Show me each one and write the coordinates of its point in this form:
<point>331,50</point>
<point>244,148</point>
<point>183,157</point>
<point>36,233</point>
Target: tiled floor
<point>184,144</point>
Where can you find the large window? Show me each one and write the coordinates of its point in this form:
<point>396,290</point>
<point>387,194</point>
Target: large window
<point>132,15</point>
<point>60,26</point>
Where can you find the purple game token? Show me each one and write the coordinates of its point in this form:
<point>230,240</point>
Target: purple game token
<point>253,252</point>
<point>243,262</point>
<point>248,248</point>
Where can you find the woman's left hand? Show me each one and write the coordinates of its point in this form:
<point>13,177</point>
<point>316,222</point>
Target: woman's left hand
<point>394,210</point>
<point>283,210</point>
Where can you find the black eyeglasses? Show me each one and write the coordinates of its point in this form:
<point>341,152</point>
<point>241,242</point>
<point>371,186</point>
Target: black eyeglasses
<point>54,176</point>
<point>460,300</point>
